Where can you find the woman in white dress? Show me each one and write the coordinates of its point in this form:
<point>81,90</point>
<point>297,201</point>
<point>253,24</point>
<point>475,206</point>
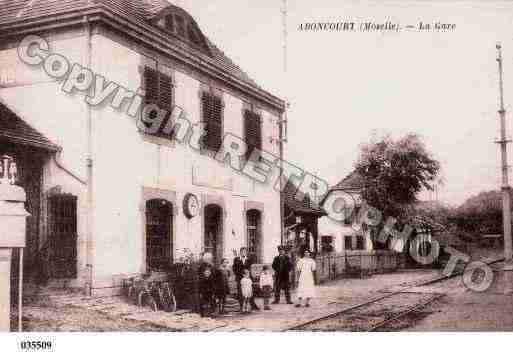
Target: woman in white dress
<point>306,282</point>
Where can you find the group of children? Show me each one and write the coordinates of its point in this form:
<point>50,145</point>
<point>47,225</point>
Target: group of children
<point>266,287</point>
<point>214,288</point>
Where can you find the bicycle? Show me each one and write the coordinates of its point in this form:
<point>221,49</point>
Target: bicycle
<point>166,297</point>
<point>139,293</point>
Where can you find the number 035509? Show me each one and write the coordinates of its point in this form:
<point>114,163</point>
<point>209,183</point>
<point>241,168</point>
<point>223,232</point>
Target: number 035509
<point>36,345</point>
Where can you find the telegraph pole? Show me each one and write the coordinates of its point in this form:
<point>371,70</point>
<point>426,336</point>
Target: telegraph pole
<point>503,142</point>
<point>282,122</point>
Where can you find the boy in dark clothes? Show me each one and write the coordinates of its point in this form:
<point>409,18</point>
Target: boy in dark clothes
<point>206,291</point>
<point>222,288</point>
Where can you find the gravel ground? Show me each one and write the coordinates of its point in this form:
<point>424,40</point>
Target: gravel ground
<point>73,319</point>
<point>466,310</point>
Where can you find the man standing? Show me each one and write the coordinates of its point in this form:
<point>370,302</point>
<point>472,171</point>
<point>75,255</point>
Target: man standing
<point>241,263</point>
<point>282,265</point>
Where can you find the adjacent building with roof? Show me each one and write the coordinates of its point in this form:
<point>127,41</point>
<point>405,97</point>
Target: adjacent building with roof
<point>346,236</point>
<point>107,200</point>
<point>301,220</point>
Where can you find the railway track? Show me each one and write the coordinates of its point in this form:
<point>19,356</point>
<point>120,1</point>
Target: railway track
<point>379,312</point>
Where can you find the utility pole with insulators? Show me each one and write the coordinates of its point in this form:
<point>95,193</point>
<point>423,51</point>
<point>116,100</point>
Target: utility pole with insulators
<point>506,190</point>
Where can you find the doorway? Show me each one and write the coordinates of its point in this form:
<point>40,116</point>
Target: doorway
<point>62,236</point>
<point>213,234</point>
<point>159,234</point>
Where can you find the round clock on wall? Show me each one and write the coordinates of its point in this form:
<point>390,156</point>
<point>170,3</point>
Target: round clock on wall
<point>190,205</point>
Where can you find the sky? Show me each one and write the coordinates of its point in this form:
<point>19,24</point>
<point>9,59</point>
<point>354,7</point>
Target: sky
<point>343,86</point>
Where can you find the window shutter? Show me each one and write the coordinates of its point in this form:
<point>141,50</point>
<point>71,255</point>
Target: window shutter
<point>165,91</point>
<point>212,108</point>
<point>253,132</point>
<point>159,90</point>
<point>151,85</point>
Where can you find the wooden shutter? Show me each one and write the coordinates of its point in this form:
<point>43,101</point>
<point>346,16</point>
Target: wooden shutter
<point>253,131</point>
<point>165,91</point>
<point>151,85</point>
<point>159,89</point>
<point>212,109</point>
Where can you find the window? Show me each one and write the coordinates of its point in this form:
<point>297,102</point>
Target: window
<point>360,243</point>
<point>327,244</point>
<point>169,23</point>
<point>252,131</point>
<point>348,216</point>
<point>180,25</point>
<point>348,243</point>
<point>212,112</point>
<point>159,89</point>
<point>193,35</point>
<point>253,227</point>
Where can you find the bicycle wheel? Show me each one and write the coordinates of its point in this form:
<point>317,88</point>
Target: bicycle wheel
<point>152,304</point>
<point>145,298</point>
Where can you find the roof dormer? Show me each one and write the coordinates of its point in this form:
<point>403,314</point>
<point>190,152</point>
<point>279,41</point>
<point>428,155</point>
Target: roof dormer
<point>175,21</point>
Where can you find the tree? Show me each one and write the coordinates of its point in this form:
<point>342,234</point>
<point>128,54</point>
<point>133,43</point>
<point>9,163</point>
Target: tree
<point>394,172</point>
<point>481,213</point>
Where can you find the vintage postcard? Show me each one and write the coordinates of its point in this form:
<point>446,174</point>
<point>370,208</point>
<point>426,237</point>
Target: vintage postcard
<point>254,166</point>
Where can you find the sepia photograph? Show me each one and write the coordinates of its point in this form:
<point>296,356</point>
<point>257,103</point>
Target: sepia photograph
<point>276,166</point>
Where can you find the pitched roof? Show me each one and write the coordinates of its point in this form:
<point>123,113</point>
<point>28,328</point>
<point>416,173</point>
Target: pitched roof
<point>352,181</point>
<point>137,11</point>
<point>14,129</point>
<point>153,7</point>
<point>306,206</point>
<point>16,10</point>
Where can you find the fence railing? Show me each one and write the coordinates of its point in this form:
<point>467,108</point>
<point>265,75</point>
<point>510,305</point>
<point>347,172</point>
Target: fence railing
<point>356,263</point>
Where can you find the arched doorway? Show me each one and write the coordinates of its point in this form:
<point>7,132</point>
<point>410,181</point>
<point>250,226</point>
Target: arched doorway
<point>254,233</point>
<point>159,234</point>
<point>213,234</point>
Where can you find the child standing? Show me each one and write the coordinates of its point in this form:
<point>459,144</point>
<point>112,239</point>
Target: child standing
<point>206,289</point>
<point>222,288</point>
<point>247,291</point>
<point>266,284</point>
